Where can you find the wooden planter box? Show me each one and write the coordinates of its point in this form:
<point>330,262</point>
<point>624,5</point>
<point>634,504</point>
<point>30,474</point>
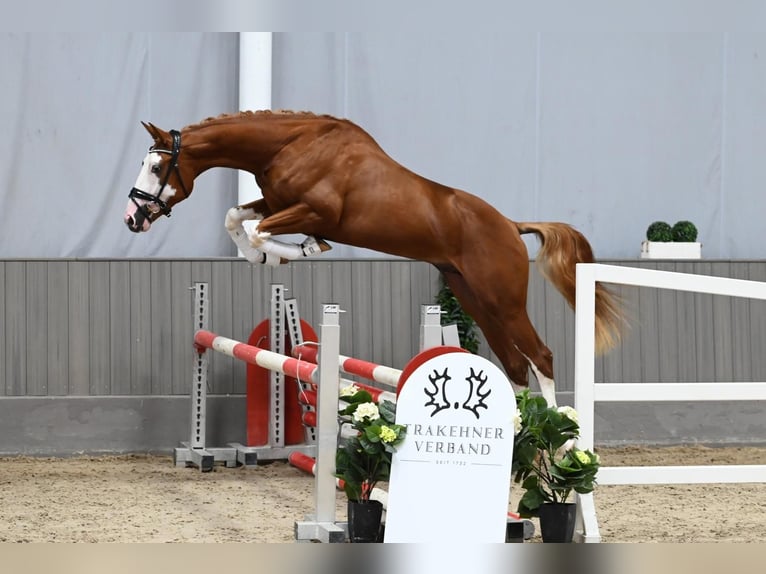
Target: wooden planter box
<point>670,250</point>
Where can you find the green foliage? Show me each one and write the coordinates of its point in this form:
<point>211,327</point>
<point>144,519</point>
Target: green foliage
<point>365,459</point>
<point>452,312</point>
<point>659,231</point>
<point>684,231</point>
<point>546,470</point>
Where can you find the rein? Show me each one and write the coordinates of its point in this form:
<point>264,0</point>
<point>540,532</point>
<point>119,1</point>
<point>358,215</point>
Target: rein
<point>136,193</point>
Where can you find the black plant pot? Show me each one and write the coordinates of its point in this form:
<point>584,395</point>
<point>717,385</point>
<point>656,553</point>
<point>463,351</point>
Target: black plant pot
<point>557,521</point>
<point>364,520</point>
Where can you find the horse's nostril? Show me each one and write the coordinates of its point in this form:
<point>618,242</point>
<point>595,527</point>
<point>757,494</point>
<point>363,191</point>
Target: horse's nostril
<point>131,223</point>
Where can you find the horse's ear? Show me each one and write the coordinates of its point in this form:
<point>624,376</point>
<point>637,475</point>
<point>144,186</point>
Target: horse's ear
<point>154,131</point>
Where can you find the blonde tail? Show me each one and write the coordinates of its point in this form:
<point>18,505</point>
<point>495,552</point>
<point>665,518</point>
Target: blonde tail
<point>562,247</point>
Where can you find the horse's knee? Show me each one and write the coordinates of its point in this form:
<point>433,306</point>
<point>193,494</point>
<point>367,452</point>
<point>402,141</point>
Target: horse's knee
<point>236,215</point>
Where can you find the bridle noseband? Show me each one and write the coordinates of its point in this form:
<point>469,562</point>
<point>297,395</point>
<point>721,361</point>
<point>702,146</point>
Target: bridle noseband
<point>136,193</point>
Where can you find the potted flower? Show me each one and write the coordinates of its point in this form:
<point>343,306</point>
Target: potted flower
<point>664,241</point>
<point>364,459</point>
<point>548,465</point>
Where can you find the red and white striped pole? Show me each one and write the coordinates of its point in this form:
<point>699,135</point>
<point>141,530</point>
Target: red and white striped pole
<point>300,370</point>
<point>379,373</point>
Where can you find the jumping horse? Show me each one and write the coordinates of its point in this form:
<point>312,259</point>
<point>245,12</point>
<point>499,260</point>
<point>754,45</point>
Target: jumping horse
<point>327,178</point>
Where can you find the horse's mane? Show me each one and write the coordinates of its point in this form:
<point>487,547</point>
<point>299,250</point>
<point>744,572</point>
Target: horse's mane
<point>248,114</point>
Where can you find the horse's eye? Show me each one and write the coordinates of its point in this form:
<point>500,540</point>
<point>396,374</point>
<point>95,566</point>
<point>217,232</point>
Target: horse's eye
<point>156,168</point>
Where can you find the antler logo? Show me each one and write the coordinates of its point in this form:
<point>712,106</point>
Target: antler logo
<point>476,397</point>
<point>437,394</point>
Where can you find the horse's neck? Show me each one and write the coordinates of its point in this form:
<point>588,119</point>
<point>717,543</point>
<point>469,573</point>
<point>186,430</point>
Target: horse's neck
<point>247,145</point>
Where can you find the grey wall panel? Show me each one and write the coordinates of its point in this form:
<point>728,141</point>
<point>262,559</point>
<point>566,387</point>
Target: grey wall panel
<point>381,313</point>
<point>66,426</point>
<point>222,304</point>
<point>140,346</point>
<point>362,299</point>
<point>161,327</point>
<point>120,330</point>
<point>647,309</point>
<point>124,327</point>
<point>37,328</point>
<point>631,355</point>
<point>758,327</point>
<point>15,328</point>
<point>243,317</point>
<point>57,310</point>
<point>343,290</point>
<point>78,332</point>
<point>404,337</point>
<point>3,334</point>
<point>740,329</point>
<point>556,309</point>
<point>668,331</point>
<point>100,328</point>
<point>181,327</point>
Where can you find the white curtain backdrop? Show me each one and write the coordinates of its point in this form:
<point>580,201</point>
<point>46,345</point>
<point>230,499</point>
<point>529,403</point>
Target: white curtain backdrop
<point>607,131</point>
<point>73,143</point>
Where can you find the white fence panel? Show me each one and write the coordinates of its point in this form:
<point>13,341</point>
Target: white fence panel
<point>588,392</point>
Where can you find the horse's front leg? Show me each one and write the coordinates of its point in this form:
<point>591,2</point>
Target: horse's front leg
<point>293,219</point>
<point>235,217</point>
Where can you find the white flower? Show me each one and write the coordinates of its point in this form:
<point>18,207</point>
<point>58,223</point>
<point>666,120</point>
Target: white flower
<point>348,391</point>
<point>569,413</point>
<point>517,422</point>
<point>368,410</point>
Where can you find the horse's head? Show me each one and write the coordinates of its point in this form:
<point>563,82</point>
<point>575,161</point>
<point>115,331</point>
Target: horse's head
<point>161,182</point>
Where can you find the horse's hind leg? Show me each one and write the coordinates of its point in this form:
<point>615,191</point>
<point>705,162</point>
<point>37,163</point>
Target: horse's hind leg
<point>514,363</point>
<point>497,300</point>
<point>514,339</point>
<point>539,357</point>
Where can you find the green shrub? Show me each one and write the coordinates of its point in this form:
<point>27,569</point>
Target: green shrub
<point>684,231</point>
<point>659,231</point>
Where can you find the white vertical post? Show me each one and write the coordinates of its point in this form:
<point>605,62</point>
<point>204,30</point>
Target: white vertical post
<point>430,326</point>
<point>585,376</point>
<point>327,415</point>
<point>254,92</point>
<point>585,352</point>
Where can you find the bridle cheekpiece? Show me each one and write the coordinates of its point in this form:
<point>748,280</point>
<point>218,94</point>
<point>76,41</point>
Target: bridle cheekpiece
<point>136,193</point>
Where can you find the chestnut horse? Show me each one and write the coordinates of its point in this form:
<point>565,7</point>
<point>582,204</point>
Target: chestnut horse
<point>328,179</point>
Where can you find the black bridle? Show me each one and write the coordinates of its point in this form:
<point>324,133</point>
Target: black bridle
<point>136,193</point>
